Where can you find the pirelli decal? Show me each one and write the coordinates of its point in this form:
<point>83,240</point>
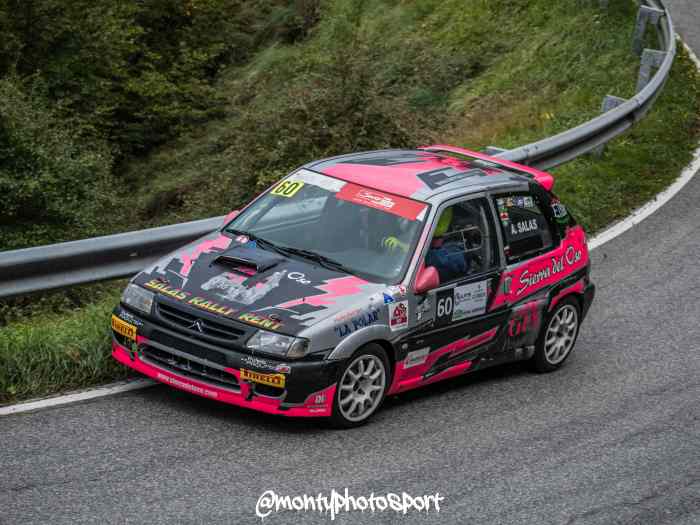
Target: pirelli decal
<point>277,380</point>
<point>121,327</point>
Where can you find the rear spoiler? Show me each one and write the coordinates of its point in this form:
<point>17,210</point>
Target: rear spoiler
<point>543,178</point>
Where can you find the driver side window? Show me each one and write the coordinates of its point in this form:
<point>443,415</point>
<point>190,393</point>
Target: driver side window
<point>463,243</point>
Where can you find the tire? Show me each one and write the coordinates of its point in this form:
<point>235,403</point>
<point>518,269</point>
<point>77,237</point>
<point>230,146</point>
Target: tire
<point>358,397</point>
<point>557,337</point>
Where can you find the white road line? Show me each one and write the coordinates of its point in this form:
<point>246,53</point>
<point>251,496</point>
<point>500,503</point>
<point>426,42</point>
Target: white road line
<point>607,235</point>
<point>658,201</point>
<point>82,395</point>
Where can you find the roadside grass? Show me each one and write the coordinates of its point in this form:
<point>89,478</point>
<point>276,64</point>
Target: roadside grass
<point>497,73</point>
<point>53,352</point>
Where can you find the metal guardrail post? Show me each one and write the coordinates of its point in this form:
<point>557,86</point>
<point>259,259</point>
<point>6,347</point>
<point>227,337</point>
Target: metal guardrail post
<point>646,14</point>
<point>650,59</point>
<point>609,102</point>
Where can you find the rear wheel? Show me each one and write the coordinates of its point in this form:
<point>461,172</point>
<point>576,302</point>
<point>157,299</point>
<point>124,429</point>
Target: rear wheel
<point>558,336</point>
<point>362,386</point>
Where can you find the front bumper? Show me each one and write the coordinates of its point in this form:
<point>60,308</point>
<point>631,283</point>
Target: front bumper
<point>215,373</point>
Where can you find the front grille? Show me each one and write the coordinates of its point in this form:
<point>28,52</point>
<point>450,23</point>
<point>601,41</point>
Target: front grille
<point>185,367</point>
<point>196,350</point>
<point>187,320</point>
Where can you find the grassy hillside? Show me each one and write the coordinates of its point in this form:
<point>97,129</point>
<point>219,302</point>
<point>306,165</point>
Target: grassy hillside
<point>361,75</point>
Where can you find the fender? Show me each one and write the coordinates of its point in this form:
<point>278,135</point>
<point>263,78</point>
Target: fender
<point>354,341</point>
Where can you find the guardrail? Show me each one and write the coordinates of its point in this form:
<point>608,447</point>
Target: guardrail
<point>90,260</point>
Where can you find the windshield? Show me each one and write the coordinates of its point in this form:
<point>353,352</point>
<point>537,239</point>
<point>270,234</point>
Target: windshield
<point>360,230</point>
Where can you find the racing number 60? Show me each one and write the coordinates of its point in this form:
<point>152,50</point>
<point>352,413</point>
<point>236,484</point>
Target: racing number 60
<point>444,307</point>
<point>287,188</point>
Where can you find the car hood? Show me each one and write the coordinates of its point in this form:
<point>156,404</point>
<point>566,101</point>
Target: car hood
<point>235,279</point>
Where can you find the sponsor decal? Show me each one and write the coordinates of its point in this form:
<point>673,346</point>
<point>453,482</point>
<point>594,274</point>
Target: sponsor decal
<point>444,300</point>
<point>181,295</point>
<point>557,265</point>
<point>287,188</point>
<point>349,314</point>
<point>398,315</point>
<point>319,399</point>
<point>235,291</point>
<point>523,320</point>
<point>165,289</point>
<point>211,306</point>
<point>401,206</point>
<point>560,212</point>
<point>256,362</point>
<point>242,239</point>
<point>260,321</point>
<point>470,300</point>
<point>298,277</point>
<point>423,308</point>
<point>283,369</point>
<point>187,386</point>
<point>277,380</point>
<point>415,358</point>
<point>128,330</point>
<point>366,319</point>
<point>388,298</point>
<point>397,292</point>
<point>521,227</point>
<point>126,316</point>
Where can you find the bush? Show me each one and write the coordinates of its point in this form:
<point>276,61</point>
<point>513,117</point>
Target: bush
<point>47,175</point>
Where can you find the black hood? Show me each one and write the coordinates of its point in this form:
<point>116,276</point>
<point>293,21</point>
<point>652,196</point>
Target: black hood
<point>240,280</point>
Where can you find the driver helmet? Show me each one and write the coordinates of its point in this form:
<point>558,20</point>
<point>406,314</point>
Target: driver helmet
<point>444,223</point>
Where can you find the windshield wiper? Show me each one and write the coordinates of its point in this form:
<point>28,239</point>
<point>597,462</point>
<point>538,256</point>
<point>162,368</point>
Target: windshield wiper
<point>287,251</point>
<point>322,259</point>
<point>263,243</point>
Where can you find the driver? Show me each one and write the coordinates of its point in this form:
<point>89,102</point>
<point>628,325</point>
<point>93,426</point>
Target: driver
<point>445,254</point>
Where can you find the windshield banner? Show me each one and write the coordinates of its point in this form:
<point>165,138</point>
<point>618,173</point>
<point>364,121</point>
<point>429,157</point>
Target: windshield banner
<point>401,206</point>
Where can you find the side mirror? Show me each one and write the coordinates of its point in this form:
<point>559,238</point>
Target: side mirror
<point>427,279</point>
<point>231,215</point>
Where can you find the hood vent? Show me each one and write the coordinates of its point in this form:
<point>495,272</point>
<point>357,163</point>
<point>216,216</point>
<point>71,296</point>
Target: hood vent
<point>253,258</point>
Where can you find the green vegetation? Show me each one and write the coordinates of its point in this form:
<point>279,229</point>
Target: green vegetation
<point>102,105</point>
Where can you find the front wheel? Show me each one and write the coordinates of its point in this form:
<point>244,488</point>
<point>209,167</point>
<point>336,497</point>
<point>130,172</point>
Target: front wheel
<point>558,337</point>
<point>362,386</point>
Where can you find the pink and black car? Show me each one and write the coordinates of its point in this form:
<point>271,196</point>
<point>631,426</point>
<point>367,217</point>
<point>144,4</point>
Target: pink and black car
<point>362,276</point>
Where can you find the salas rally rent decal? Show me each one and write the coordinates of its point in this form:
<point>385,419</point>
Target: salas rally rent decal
<point>181,295</point>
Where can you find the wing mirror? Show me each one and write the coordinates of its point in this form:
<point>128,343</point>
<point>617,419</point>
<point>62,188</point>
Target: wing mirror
<point>427,279</point>
<point>231,215</point>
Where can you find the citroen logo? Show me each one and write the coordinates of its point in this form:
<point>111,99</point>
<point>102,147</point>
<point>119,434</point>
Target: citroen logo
<point>197,325</point>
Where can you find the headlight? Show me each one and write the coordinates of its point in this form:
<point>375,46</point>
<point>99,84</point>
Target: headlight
<point>138,298</point>
<point>277,344</point>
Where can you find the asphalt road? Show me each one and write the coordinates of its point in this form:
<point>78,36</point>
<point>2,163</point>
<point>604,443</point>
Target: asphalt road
<point>613,437</point>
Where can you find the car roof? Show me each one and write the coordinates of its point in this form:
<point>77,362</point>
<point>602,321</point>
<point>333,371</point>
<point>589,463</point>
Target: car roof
<point>425,172</point>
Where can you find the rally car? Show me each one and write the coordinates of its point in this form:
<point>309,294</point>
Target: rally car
<point>362,276</point>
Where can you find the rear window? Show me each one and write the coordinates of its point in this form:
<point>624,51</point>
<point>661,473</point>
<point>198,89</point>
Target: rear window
<point>526,231</point>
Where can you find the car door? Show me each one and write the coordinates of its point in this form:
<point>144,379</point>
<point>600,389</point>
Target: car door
<point>531,246</point>
<point>456,325</point>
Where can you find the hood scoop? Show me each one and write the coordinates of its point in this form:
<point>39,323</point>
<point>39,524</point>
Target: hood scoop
<point>249,258</point>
